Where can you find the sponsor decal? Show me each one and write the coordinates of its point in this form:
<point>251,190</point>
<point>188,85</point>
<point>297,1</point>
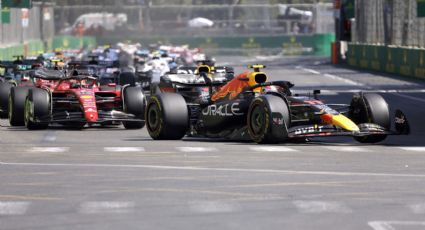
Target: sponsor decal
<point>278,121</point>
<point>223,110</point>
<point>308,130</point>
<point>87,97</point>
<point>400,120</point>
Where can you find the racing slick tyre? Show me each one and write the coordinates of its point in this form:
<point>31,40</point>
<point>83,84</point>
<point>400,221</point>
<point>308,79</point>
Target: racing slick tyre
<point>37,105</point>
<point>16,105</point>
<point>167,116</point>
<point>127,78</point>
<point>268,119</point>
<point>4,98</point>
<point>370,108</point>
<point>134,103</point>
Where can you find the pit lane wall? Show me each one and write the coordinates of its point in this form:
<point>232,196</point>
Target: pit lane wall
<point>34,48</point>
<point>404,61</point>
<point>314,44</point>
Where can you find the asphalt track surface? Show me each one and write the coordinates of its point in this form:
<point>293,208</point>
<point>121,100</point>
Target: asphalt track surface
<point>112,178</point>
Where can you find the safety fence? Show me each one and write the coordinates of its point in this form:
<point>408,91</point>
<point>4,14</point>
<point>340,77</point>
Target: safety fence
<point>313,44</point>
<point>253,18</point>
<point>19,26</point>
<point>390,59</point>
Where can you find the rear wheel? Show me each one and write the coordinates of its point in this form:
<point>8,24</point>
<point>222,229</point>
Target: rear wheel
<point>134,103</point>
<point>4,98</point>
<point>37,105</point>
<point>167,116</point>
<point>268,119</point>
<point>16,105</point>
<point>370,108</point>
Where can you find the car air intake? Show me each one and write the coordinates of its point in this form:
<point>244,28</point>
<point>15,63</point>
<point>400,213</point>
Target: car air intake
<point>260,78</point>
<point>203,69</point>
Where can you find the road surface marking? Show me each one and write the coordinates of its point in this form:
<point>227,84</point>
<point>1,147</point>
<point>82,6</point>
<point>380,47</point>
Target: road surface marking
<point>417,208</point>
<point>348,81</point>
<point>311,71</point>
<point>50,136</point>
<point>271,149</point>
<point>97,207</point>
<point>13,208</point>
<point>410,97</point>
<point>321,207</point>
<point>414,149</point>
<point>123,149</point>
<point>254,170</point>
<point>49,149</point>
<point>347,149</point>
<point>388,225</point>
<point>196,149</point>
<point>392,91</point>
<point>212,207</point>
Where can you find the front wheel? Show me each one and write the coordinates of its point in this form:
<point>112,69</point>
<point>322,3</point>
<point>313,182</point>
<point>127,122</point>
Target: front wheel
<point>16,105</point>
<point>268,119</point>
<point>4,98</point>
<point>167,116</point>
<point>37,106</point>
<point>134,103</point>
<point>370,108</point>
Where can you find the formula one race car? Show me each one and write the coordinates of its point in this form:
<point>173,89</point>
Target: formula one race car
<point>250,107</point>
<point>12,74</point>
<point>190,83</point>
<point>76,100</point>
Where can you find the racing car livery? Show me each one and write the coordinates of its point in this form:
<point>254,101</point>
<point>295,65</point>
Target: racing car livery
<point>76,100</point>
<point>250,107</point>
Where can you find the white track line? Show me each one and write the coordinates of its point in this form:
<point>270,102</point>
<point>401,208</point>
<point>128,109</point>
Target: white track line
<point>196,149</point>
<point>417,208</point>
<point>321,207</point>
<point>50,136</point>
<point>123,149</point>
<point>388,225</point>
<point>212,207</point>
<point>13,208</point>
<point>310,71</point>
<point>165,167</point>
<point>413,149</point>
<point>49,149</point>
<point>105,207</point>
<point>410,97</point>
<point>271,149</point>
<point>347,149</point>
<point>333,77</point>
<point>348,81</point>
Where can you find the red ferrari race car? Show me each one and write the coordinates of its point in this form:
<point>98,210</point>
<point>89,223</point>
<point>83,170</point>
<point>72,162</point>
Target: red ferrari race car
<point>77,100</point>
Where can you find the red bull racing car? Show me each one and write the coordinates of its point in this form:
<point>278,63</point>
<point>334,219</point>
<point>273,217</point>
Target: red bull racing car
<point>250,107</point>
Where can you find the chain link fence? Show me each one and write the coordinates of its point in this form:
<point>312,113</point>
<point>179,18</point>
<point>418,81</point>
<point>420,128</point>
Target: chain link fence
<point>38,25</point>
<point>390,22</point>
<point>196,20</point>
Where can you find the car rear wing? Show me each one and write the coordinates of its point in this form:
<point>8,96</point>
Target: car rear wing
<point>48,74</point>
